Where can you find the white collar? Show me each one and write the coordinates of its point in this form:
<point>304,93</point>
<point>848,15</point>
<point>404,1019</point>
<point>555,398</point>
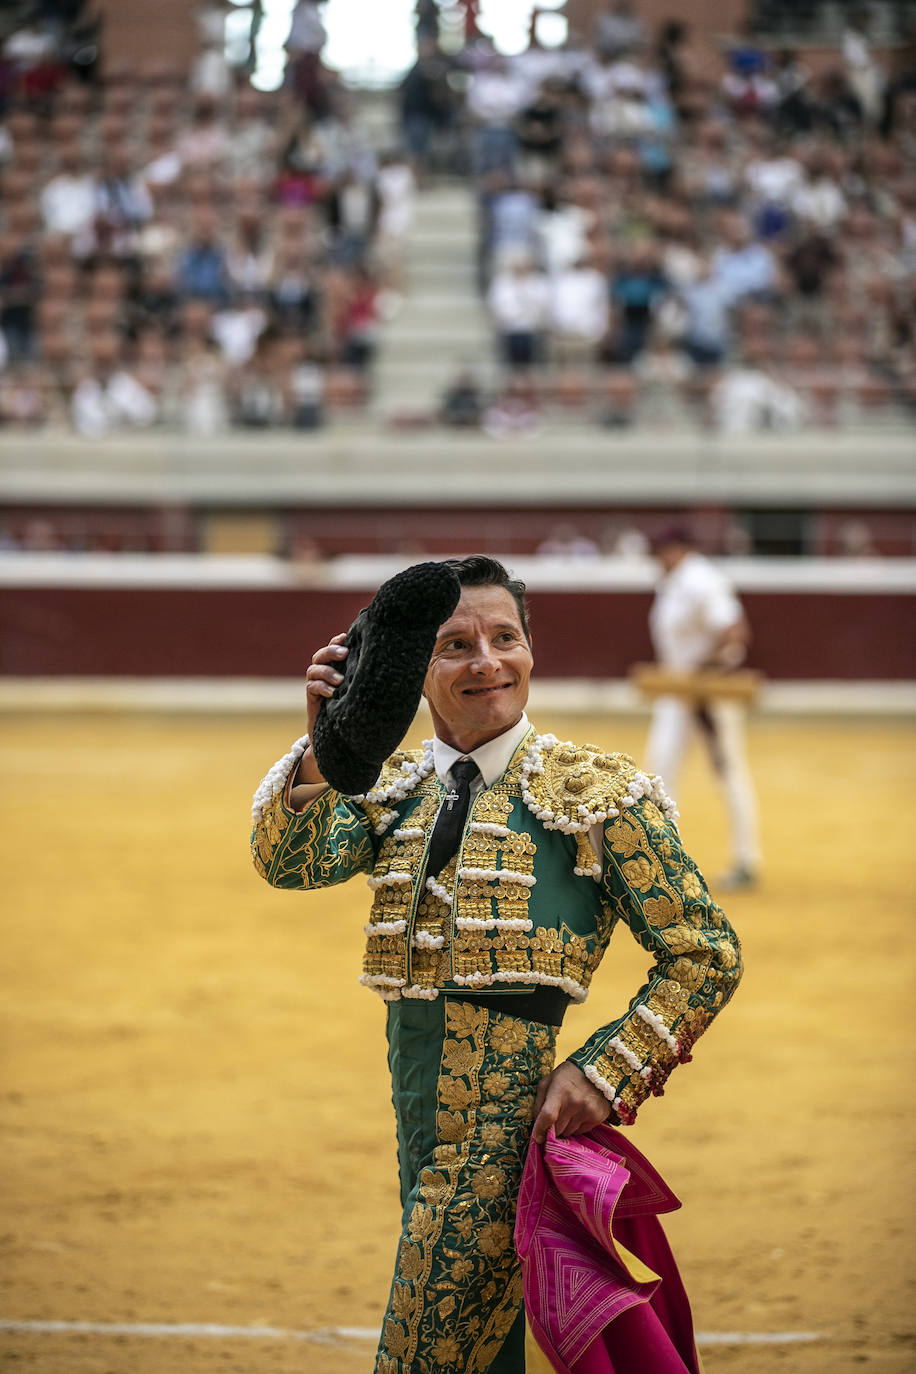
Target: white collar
<point>492,758</point>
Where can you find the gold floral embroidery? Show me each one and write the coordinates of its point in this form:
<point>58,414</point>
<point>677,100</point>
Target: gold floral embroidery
<point>464,1020</point>
<point>396,1339</point>
<point>446,1350</point>
<point>508,1037</point>
<point>623,837</point>
<point>410,1261</point>
<point>496,1084</point>
<point>459,1056</point>
<point>326,843</point>
<point>457,1256</point>
<point>691,886</point>
<point>454,1092</point>
<point>639,873</point>
<point>660,911</point>
<point>494,1240</point>
<point>489,1182</point>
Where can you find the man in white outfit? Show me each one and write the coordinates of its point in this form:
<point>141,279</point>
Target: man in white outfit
<point>697,622</point>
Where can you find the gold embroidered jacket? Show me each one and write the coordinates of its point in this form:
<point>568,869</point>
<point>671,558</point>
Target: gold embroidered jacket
<point>526,899</point>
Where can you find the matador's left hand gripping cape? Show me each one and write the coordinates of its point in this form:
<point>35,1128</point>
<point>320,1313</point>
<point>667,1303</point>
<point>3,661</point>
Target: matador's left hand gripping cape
<point>526,899</point>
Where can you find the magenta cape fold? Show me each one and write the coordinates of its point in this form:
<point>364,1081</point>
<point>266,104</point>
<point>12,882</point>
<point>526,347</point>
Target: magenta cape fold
<point>587,1205</point>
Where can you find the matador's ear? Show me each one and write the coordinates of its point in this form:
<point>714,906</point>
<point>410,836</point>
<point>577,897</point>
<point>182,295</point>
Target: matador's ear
<point>390,642</point>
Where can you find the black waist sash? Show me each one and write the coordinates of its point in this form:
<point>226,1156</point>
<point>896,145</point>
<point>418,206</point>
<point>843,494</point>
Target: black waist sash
<point>543,1003</point>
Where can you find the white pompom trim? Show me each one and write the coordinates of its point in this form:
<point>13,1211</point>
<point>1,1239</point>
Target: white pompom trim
<point>626,1054</point>
<point>386,928</point>
<point>497,875</point>
<point>479,980</point>
<point>411,774</point>
<point>274,780</point>
<point>392,879</point>
<point>381,980</point>
<point>439,891</point>
<point>423,940</point>
<point>493,923</point>
<point>658,1025</point>
<point>603,1086</point>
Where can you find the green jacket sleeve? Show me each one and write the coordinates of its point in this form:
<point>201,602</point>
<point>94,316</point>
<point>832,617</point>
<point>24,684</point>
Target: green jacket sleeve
<point>327,843</point>
<point>651,883</point>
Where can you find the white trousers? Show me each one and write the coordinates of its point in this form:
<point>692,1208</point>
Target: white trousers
<point>673,723</point>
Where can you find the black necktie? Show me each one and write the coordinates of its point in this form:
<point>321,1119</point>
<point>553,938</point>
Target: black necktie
<point>452,815</point>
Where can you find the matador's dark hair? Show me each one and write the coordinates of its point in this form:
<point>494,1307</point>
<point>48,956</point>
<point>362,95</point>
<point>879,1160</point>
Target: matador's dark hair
<point>480,571</point>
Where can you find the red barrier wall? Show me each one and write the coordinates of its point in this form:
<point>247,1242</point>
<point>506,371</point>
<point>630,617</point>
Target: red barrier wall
<point>176,632</point>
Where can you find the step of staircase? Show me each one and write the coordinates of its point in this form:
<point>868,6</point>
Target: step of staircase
<point>442,327</point>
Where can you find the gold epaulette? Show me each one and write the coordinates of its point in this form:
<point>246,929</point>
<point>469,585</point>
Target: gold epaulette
<point>578,785</point>
<point>393,768</point>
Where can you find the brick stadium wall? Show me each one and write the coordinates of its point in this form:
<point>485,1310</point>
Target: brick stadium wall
<point>138,34</point>
<point>242,632</point>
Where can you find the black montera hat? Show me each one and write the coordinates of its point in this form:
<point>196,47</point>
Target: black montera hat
<point>390,642</point>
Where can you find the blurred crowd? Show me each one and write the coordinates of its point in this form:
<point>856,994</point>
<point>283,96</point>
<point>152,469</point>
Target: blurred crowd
<point>742,240</point>
<point>657,235</point>
<point>200,253</point>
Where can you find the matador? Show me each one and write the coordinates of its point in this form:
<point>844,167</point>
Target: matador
<point>477,955</point>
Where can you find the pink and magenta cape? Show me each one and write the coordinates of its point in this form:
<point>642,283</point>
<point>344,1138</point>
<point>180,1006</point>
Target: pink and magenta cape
<point>602,1291</point>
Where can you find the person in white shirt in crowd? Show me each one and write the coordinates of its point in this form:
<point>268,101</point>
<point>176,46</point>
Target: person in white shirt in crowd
<point>697,622</point>
<point>109,397</point>
<point>744,266</point>
<point>511,210</point>
<point>750,397</point>
<point>866,76</point>
<point>123,204</point>
<point>773,178</point>
<point>706,304</point>
<point>496,95</point>
<point>621,110</point>
<point>252,149</point>
<point>561,230</point>
<point>250,258</point>
<point>579,313</point>
<point>519,300</point>
<point>238,328</point>
<point>819,201</point>
<point>210,72</point>
<point>69,200</point>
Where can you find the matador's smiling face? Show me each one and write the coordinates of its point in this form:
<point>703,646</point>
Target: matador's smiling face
<point>477,681</point>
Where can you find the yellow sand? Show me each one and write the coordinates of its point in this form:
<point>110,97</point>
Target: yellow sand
<point>196,1117</point>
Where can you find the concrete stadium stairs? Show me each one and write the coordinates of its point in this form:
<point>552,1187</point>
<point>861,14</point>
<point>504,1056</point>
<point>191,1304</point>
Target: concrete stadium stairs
<point>442,325</point>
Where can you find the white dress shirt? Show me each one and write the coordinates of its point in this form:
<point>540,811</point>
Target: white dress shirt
<point>492,758</point>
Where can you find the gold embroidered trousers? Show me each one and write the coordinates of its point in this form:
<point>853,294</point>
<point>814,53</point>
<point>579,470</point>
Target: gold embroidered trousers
<point>464,1079</point>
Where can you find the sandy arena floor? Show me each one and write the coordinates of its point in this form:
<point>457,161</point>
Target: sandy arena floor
<point>195,1110</point>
